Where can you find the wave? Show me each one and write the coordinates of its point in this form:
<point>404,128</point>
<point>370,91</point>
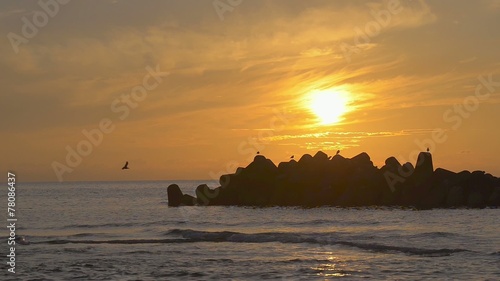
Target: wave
<point>124,224</point>
<point>329,222</point>
<point>83,234</point>
<point>436,234</point>
<point>118,241</point>
<point>211,223</point>
<point>320,239</point>
<point>407,250</point>
<point>99,225</point>
<point>78,250</point>
<point>312,238</point>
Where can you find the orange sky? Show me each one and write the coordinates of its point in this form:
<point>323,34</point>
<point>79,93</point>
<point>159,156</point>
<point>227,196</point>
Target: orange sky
<point>231,80</point>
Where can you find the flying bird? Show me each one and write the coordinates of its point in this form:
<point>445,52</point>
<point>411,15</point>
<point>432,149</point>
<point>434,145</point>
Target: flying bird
<point>126,166</point>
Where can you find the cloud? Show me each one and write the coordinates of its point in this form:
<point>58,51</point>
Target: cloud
<point>340,139</point>
<point>227,77</point>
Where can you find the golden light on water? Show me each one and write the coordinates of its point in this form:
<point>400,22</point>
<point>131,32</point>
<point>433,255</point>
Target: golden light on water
<point>329,105</point>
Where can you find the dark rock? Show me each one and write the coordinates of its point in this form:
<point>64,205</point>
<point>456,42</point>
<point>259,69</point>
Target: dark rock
<point>395,178</point>
<point>406,170</point>
<point>318,180</point>
<point>305,159</point>
<point>261,167</point>
<point>228,192</point>
<point>494,199</point>
<point>423,168</point>
<point>392,162</point>
<point>475,200</point>
<point>362,159</point>
<point>348,198</point>
<point>188,200</point>
<point>175,196</point>
<point>287,167</point>
<point>456,197</point>
<point>480,186</point>
<point>204,195</point>
<point>437,194</point>
<point>416,187</point>
<point>320,156</point>
<point>225,180</point>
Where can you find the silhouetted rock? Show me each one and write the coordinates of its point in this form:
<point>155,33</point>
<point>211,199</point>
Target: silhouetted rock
<point>305,159</point>
<point>362,159</point>
<point>407,169</point>
<point>176,198</point>
<point>418,184</point>
<point>423,169</point>
<point>286,168</point>
<point>188,200</point>
<point>320,156</point>
<point>392,162</point>
<point>494,199</point>
<point>482,185</point>
<point>174,195</point>
<point>204,194</point>
<point>338,181</point>
<point>438,189</point>
<point>456,197</point>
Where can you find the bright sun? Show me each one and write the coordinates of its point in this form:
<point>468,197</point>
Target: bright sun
<point>329,105</point>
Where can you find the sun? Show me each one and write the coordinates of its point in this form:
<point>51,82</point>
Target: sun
<point>329,105</point>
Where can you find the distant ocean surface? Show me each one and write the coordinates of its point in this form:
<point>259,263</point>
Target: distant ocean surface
<point>126,231</point>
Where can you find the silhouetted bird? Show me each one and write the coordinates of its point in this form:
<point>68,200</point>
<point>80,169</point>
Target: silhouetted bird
<point>428,149</point>
<point>126,166</point>
<point>338,151</point>
<point>291,157</point>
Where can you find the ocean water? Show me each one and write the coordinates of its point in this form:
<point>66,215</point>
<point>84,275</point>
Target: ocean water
<point>126,231</point>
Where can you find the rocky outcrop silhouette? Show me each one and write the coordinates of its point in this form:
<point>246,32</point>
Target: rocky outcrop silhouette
<point>176,198</point>
<point>321,180</point>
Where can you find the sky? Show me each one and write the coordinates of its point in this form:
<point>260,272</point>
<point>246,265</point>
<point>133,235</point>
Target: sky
<point>193,89</point>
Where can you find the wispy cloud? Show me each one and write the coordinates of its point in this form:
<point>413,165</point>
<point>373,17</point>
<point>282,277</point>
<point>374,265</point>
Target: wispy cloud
<point>340,139</point>
<point>227,77</point>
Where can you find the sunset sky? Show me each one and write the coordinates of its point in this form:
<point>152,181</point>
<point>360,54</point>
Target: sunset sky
<point>233,77</point>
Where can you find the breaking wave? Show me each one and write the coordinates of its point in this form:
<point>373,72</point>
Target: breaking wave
<point>320,239</point>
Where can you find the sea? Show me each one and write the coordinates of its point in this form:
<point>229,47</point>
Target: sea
<point>126,231</point>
